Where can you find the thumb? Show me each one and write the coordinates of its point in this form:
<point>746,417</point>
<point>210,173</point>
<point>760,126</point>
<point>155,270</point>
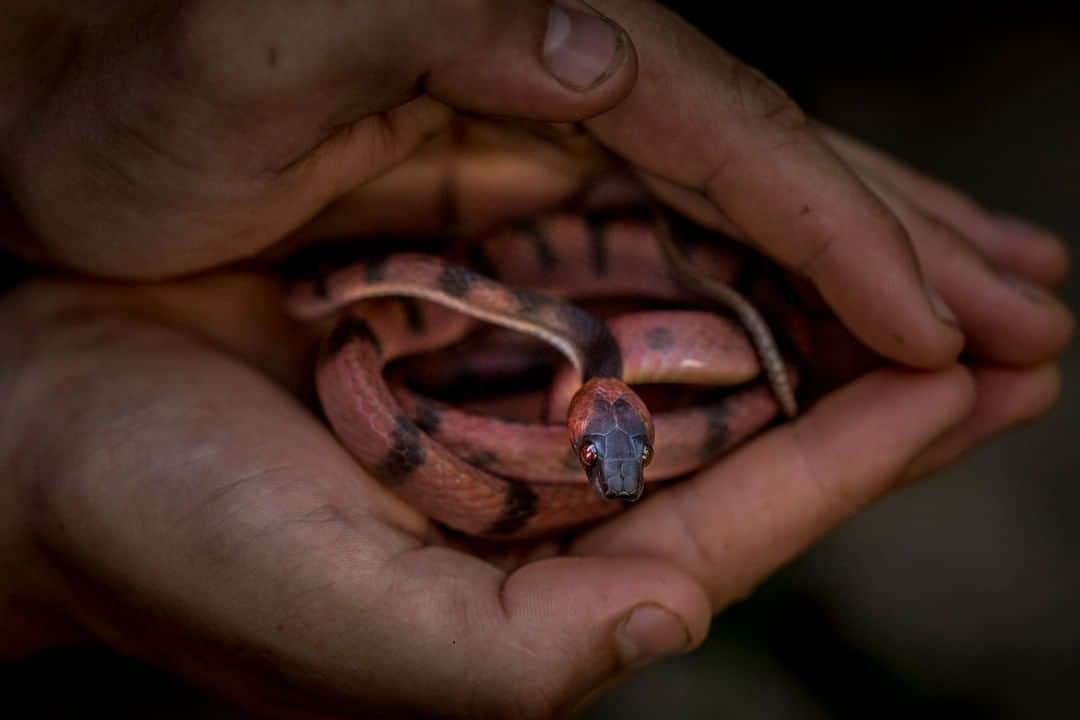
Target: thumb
<point>549,60</point>
<point>381,77</point>
<point>558,61</point>
<point>586,622</point>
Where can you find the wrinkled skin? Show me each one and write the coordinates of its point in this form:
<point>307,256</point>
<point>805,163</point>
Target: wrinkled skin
<point>168,489</point>
<point>155,138</point>
<point>105,492</point>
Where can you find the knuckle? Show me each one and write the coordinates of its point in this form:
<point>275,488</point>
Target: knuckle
<point>816,250</point>
<point>763,102</point>
<point>458,27</point>
<point>822,244</point>
<point>834,499</point>
<point>938,242</point>
<point>695,530</point>
<point>941,232</point>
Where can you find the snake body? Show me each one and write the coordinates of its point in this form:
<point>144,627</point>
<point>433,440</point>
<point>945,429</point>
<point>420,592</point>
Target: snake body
<point>490,477</point>
<point>658,346</point>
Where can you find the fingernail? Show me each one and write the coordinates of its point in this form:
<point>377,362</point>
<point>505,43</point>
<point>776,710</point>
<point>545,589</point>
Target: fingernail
<point>1028,289</point>
<point>650,632</point>
<point>581,49</point>
<point>937,304</point>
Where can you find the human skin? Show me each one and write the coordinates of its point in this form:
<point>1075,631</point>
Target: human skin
<point>180,501</point>
<point>168,493</point>
<point>152,139</point>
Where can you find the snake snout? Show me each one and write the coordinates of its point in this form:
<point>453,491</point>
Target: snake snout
<point>620,480</point>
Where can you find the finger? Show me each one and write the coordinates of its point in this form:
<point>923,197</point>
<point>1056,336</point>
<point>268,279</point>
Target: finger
<point>547,61</point>
<point>378,79</point>
<point>555,62</point>
<point>732,137</point>
<point>1005,399</point>
<point>585,62</point>
<point>533,643</point>
<point>737,521</point>
<point>1023,247</point>
<point>1006,320</point>
<point>474,178</point>
<point>252,115</point>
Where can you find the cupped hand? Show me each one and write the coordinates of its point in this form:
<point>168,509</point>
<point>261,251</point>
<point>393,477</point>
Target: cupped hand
<point>168,494</point>
<point>155,139</point>
<point>183,508</point>
<point>997,273</point>
<point>166,499</point>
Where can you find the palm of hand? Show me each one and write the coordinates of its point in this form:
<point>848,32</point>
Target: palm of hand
<point>207,520</point>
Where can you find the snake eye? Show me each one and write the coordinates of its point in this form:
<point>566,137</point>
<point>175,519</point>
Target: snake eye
<point>646,456</point>
<point>588,454</point>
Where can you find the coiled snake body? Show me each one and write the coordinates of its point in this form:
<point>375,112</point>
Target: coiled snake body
<point>489,477</point>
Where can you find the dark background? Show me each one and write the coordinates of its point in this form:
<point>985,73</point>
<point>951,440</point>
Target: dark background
<point>959,597</point>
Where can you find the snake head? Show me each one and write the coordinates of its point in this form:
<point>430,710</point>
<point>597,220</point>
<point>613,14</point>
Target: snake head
<point>611,432</point>
<point>615,465</point>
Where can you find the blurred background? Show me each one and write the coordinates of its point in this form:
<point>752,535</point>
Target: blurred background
<point>959,597</point>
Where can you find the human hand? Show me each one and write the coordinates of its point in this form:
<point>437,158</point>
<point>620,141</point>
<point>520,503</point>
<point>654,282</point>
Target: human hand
<point>153,140</point>
<point>183,508</point>
<point>999,274</point>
